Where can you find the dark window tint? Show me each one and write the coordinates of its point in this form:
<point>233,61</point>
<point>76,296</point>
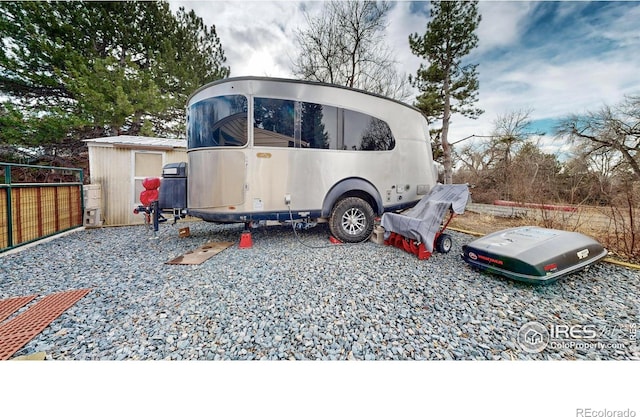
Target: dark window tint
<point>217,121</point>
<point>366,133</point>
<point>288,123</point>
<point>319,125</point>
<point>296,124</point>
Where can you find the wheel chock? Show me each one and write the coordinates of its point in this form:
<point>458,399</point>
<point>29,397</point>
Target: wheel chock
<point>334,240</point>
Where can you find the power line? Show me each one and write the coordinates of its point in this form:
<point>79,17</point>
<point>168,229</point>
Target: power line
<point>469,137</point>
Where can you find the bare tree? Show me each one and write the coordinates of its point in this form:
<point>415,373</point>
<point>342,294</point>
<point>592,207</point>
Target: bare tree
<point>510,131</point>
<point>585,179</point>
<point>508,164</point>
<point>611,130</point>
<point>533,175</point>
<point>345,45</point>
<point>477,158</point>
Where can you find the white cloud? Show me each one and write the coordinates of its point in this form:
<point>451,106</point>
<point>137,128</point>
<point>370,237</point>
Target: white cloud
<point>401,24</point>
<point>552,73</point>
<point>257,36</point>
<point>501,24</point>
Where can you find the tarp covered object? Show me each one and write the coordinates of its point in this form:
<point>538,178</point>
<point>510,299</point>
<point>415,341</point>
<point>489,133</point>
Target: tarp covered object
<point>422,222</point>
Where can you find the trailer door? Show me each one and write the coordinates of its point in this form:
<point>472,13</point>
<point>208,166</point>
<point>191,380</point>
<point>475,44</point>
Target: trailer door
<point>216,178</point>
<point>217,141</point>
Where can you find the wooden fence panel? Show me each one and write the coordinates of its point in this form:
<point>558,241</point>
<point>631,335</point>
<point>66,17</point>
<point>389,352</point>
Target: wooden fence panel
<point>39,211</point>
<point>31,210</point>
<point>4,219</point>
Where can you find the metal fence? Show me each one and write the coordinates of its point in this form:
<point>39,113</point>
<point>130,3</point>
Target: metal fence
<point>499,211</point>
<point>37,202</point>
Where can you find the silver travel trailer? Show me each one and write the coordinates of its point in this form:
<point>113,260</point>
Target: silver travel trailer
<point>265,149</point>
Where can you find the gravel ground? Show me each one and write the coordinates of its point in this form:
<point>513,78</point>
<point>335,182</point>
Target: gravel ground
<point>282,300</point>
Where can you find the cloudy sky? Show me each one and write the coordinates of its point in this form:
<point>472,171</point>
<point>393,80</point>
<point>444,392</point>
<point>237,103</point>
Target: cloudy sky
<point>554,58</point>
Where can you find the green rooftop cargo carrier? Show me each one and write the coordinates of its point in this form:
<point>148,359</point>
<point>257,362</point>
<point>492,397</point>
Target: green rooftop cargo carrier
<point>533,254</point>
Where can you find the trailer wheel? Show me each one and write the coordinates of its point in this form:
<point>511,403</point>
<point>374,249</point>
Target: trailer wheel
<point>444,243</point>
<point>352,220</point>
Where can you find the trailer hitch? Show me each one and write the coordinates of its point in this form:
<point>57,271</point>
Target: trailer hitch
<point>152,215</point>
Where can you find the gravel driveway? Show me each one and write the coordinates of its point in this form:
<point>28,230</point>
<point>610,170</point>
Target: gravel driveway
<point>283,300</point>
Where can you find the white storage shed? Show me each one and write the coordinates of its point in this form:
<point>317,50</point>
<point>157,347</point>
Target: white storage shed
<point>120,164</point>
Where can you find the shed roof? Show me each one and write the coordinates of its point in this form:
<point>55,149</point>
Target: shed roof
<point>138,142</point>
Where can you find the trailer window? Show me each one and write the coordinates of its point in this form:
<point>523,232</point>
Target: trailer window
<point>217,121</point>
<point>294,124</point>
<point>273,122</point>
<point>366,133</point>
<point>298,124</point>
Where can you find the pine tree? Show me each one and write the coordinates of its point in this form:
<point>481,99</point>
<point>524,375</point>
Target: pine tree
<point>76,70</point>
<point>446,85</point>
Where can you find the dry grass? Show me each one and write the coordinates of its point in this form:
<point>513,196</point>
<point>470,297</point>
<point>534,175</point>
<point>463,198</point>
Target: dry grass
<point>484,223</point>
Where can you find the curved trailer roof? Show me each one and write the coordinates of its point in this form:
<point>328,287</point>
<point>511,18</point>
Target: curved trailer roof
<point>298,82</point>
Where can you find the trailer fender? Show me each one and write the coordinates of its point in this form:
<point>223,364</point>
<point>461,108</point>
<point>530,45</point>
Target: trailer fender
<point>351,187</point>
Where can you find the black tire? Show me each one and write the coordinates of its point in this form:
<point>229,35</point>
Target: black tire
<point>444,243</point>
<point>352,220</point>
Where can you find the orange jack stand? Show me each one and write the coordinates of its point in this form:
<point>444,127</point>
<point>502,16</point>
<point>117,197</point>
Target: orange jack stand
<point>334,240</point>
<point>245,240</point>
